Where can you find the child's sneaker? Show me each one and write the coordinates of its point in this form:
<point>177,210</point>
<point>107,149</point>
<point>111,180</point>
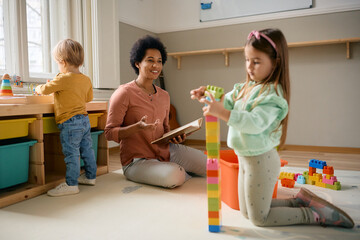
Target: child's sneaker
<point>62,190</point>
<point>327,214</point>
<point>86,181</point>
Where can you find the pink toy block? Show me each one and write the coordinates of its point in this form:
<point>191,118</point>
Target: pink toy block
<point>213,180</point>
<point>212,164</point>
<point>330,181</point>
<point>296,176</point>
<point>210,118</point>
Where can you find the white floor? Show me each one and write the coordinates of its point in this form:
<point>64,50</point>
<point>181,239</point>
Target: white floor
<point>119,209</point>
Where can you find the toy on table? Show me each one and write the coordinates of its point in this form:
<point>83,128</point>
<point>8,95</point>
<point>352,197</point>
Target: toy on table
<point>6,86</point>
<point>328,180</point>
<point>213,167</point>
<point>17,81</point>
<point>31,89</point>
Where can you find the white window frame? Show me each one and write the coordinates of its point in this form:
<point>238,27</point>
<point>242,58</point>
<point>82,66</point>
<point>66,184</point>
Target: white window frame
<point>6,37</point>
<point>15,35</point>
<point>87,19</point>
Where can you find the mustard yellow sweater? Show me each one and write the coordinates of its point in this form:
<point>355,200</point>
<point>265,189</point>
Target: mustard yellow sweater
<point>71,93</point>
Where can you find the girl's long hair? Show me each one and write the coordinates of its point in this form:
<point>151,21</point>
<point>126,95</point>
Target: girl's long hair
<point>279,74</point>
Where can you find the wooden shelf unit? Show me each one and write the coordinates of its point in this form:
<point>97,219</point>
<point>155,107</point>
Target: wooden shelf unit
<point>227,51</point>
<point>41,176</point>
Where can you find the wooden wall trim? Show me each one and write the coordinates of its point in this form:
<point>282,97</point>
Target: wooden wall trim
<point>322,149</point>
<point>303,148</point>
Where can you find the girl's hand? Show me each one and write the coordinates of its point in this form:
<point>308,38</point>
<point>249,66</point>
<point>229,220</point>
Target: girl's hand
<point>198,93</point>
<point>37,90</point>
<point>147,126</point>
<point>178,139</point>
<point>215,108</point>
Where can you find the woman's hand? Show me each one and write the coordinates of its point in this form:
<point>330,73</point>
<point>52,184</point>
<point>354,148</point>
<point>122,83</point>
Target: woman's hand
<point>141,125</point>
<point>198,93</point>
<point>178,139</point>
<point>147,126</point>
<point>215,108</point>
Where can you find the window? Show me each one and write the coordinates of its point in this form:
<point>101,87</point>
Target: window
<point>35,15</point>
<point>30,29</point>
<point>2,41</point>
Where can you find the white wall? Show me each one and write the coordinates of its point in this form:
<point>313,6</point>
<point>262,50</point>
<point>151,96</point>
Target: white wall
<point>161,16</point>
<point>105,41</point>
<point>139,13</point>
<point>324,104</point>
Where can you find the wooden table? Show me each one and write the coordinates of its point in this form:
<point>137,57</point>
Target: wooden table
<point>46,161</point>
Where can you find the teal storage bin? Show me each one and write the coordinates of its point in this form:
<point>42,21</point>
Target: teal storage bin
<point>95,139</point>
<point>14,161</point>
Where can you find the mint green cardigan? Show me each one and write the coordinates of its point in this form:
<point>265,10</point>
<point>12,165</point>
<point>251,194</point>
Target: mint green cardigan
<point>255,130</point>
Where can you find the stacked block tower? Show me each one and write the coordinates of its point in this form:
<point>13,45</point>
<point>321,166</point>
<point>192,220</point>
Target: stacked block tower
<point>6,86</point>
<point>213,167</point>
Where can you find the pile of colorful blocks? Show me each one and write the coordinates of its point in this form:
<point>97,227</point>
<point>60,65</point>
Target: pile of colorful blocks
<point>325,180</point>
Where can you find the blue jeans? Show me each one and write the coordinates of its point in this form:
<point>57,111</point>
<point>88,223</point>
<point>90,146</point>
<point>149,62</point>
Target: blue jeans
<point>76,140</point>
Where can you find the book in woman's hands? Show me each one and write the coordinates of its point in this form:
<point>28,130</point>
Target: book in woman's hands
<point>186,129</point>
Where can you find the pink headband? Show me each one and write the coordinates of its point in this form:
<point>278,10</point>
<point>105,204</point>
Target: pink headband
<point>257,35</point>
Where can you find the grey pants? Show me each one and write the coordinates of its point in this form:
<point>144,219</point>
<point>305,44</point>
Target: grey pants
<point>256,181</point>
<point>171,174</point>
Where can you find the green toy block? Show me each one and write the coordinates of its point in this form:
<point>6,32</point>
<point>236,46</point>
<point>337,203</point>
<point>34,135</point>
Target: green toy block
<point>336,186</point>
<point>212,146</point>
<point>214,204</point>
<point>213,153</point>
<point>213,187</point>
<point>217,92</point>
<point>306,176</point>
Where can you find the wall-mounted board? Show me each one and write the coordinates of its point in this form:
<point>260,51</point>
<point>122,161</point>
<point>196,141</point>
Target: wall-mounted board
<point>223,9</point>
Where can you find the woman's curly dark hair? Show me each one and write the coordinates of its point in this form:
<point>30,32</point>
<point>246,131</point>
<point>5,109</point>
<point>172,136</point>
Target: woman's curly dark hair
<point>138,50</point>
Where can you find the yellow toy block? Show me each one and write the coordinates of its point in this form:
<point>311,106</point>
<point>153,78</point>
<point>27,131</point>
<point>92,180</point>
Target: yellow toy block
<point>316,177</point>
<point>214,221</point>
<point>212,125</point>
<point>320,183</point>
<point>212,132</point>
<point>287,175</point>
<point>213,194</point>
<point>328,176</point>
<point>212,138</point>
